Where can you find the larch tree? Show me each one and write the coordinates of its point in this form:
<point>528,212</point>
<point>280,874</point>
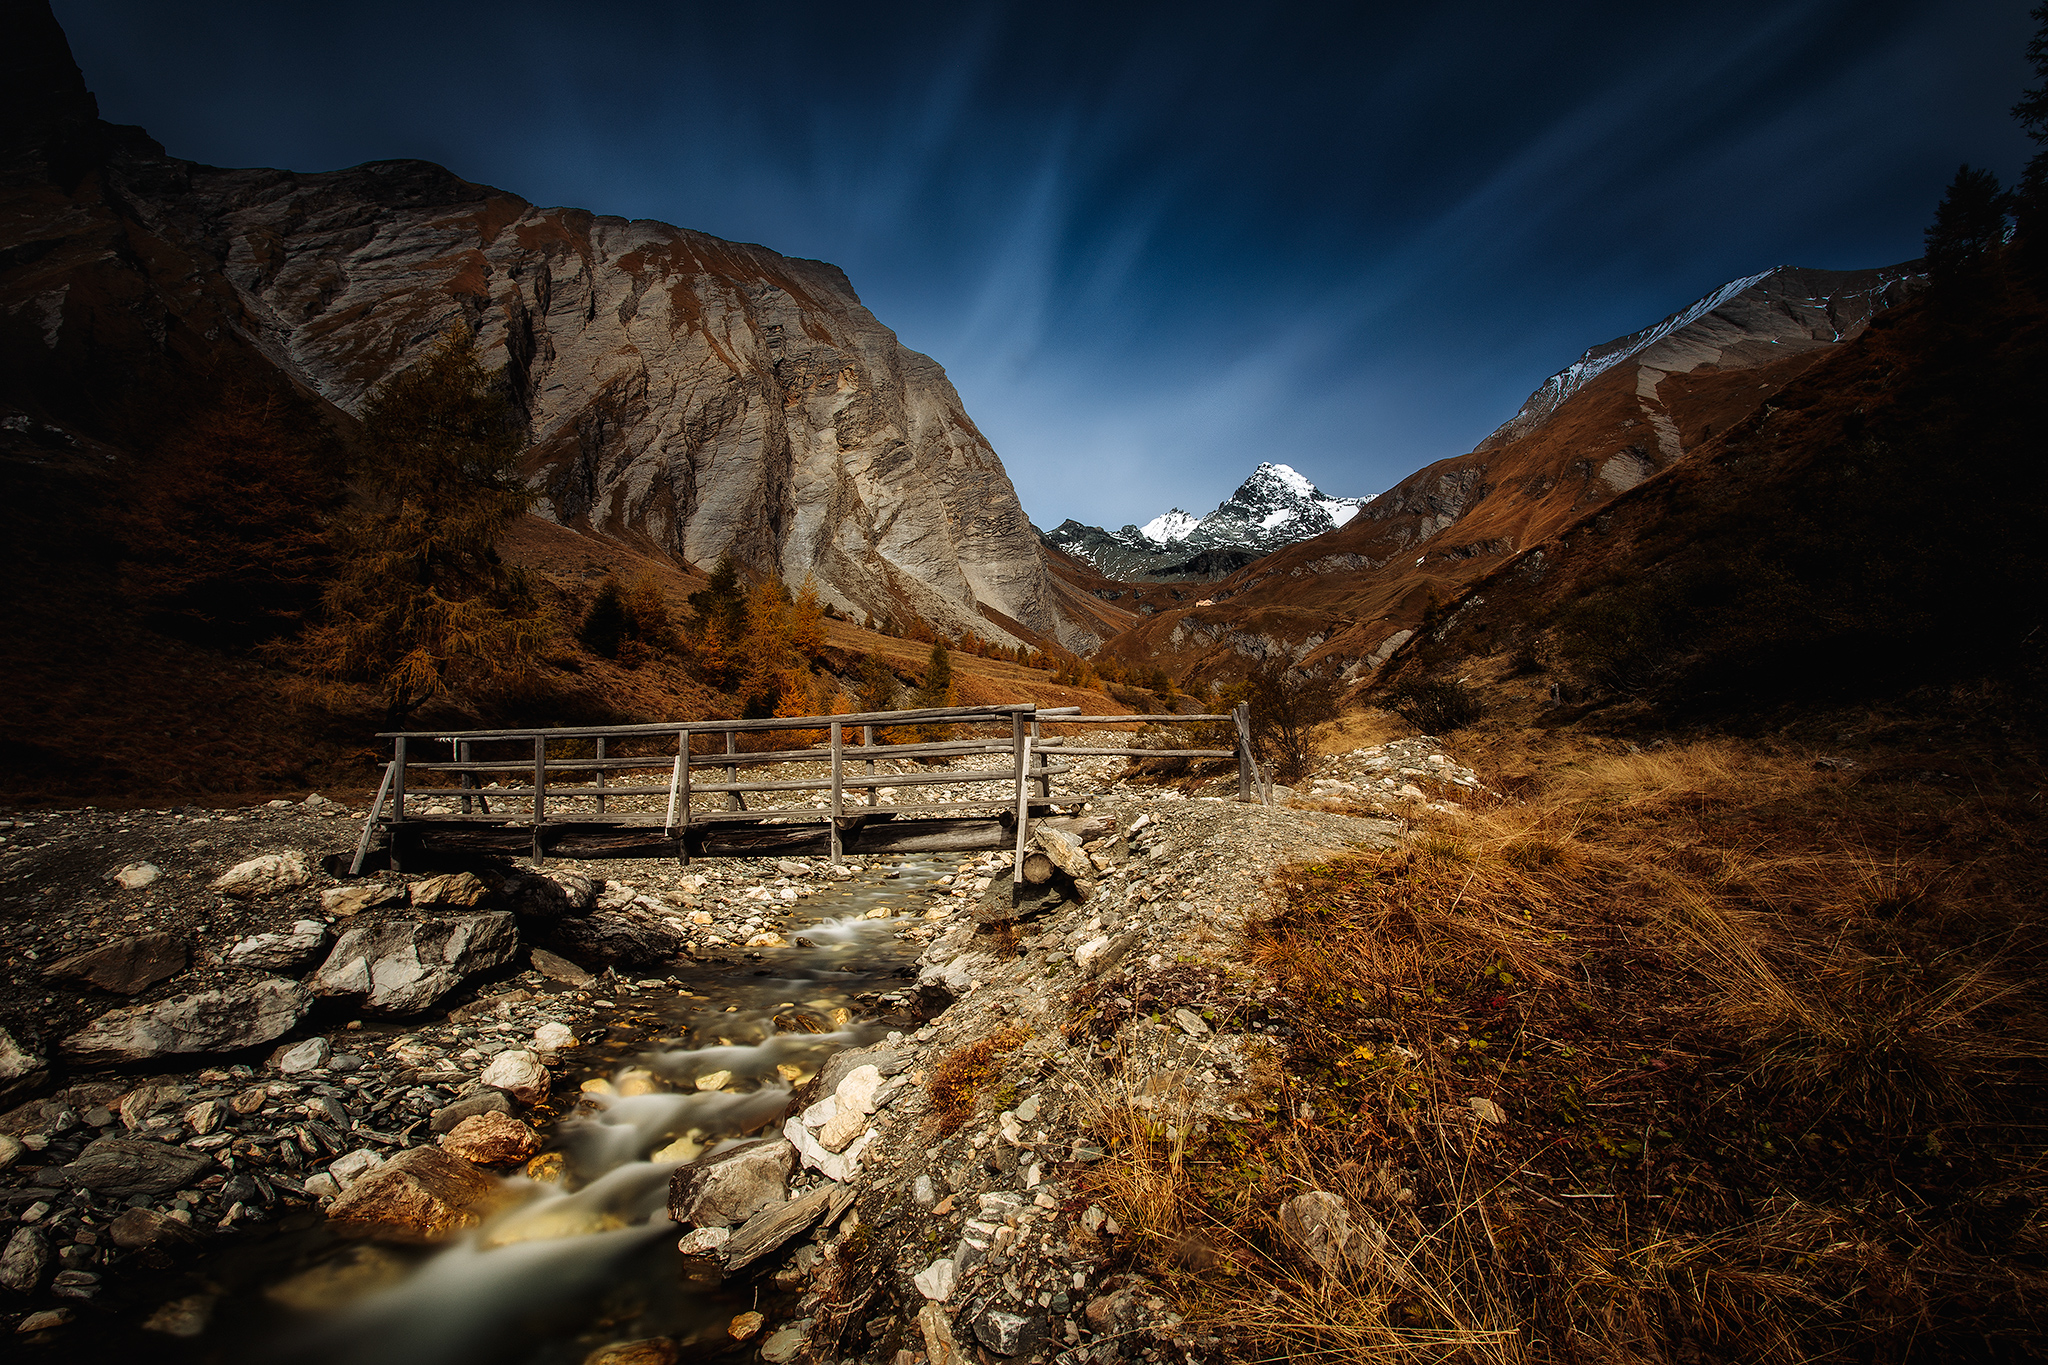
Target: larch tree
<point>422,601</point>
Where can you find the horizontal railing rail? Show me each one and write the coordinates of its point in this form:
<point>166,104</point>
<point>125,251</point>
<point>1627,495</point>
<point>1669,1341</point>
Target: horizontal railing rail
<point>1034,759</point>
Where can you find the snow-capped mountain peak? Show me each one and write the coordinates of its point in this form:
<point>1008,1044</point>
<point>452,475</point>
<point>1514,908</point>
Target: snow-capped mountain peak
<point>1276,506</point>
<point>1171,525</point>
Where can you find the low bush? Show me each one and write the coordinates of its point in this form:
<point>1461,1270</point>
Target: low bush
<point>1434,707</point>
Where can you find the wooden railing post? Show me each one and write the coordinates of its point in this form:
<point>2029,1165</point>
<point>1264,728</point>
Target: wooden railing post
<point>468,778</point>
<point>733,800</point>
<point>1044,778</point>
<point>683,836</point>
<point>867,741</point>
<point>600,774</point>
<point>1241,713</point>
<point>1020,746</point>
<point>398,778</point>
<point>838,778</point>
<point>540,794</point>
<point>397,855</point>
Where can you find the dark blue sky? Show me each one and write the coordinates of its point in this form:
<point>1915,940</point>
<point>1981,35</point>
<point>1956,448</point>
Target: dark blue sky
<point>1154,244</point>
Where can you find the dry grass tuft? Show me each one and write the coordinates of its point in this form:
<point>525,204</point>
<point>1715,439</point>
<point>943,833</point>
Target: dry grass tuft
<point>958,1077</point>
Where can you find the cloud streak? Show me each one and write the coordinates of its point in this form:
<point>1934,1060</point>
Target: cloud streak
<point>1154,244</point>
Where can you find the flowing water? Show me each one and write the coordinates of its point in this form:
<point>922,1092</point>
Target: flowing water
<point>575,1266</point>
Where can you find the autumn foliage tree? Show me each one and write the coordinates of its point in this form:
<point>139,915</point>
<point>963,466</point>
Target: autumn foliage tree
<point>421,601</point>
<point>225,534</point>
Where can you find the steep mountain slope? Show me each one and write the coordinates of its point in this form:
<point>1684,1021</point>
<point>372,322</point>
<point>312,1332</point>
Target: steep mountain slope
<point>1877,526</point>
<point>1621,414</point>
<point>692,396</point>
<point>1273,508</point>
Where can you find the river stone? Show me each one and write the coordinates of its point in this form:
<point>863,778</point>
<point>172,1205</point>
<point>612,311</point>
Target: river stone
<point>841,1129</point>
<point>402,966</point>
<point>135,876</point>
<point>126,966</point>
<point>1066,852</point>
<point>445,1119</point>
<point>1010,1334</point>
<point>421,1195</point>
<point>518,1073</point>
<point>283,952</point>
<point>145,1227</point>
<point>784,1343</point>
<point>265,876</point>
<point>125,1165</point>
<point>887,1061</point>
<point>343,901</point>
<point>936,1280</point>
<point>310,1055</point>
<point>727,1189</point>
<point>620,936</point>
<point>557,968</point>
<point>348,1168</point>
<point>186,1317</point>
<point>491,1139</point>
<point>238,1016</point>
<point>553,1037</point>
<point>454,888</point>
<point>646,1351</point>
<point>25,1261</point>
<point>20,1069</point>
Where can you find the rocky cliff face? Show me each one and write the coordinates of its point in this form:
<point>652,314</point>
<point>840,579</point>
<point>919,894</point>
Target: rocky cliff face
<point>687,394</point>
<point>1273,508</point>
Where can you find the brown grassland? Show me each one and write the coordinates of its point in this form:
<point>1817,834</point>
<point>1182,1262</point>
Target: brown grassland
<point>1766,1040</point>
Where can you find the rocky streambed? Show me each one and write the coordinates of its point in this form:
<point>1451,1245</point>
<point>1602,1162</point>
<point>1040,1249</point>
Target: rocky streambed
<point>884,1089</point>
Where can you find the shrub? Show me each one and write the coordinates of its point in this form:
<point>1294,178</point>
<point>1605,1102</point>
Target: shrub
<point>1434,707</point>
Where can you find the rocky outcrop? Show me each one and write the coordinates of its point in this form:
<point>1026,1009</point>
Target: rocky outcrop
<point>700,396</point>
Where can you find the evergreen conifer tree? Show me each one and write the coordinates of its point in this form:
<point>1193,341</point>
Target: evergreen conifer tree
<point>1969,224</point>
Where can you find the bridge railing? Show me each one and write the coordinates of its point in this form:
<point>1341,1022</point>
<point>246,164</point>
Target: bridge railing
<point>551,786</point>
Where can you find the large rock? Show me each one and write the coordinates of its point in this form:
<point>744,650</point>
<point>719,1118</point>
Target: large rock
<point>626,936</point>
<point>145,1227</point>
<point>1323,1230</point>
<point>548,896</point>
<point>491,1140</point>
<point>225,1020</point>
<point>25,1261</point>
<point>727,1189</point>
<point>126,966</point>
<point>344,901</point>
<point>557,968</point>
<point>1066,853</point>
<point>20,1069</point>
<point>126,1165</point>
<point>454,888</point>
<point>281,952</point>
<point>265,876</point>
<point>445,1119</point>
<point>402,966</point>
<point>422,1195</point>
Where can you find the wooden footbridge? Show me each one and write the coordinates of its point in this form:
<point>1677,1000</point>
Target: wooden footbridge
<point>634,791</point>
